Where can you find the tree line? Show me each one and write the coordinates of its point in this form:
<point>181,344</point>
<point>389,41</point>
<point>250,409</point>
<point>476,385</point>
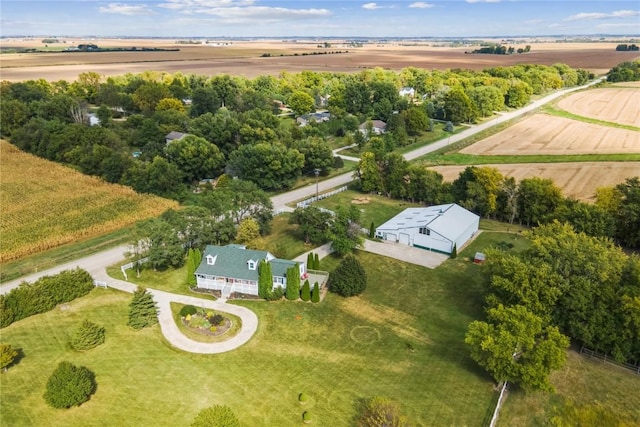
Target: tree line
<point>625,72</point>
<point>233,124</point>
<point>565,285</point>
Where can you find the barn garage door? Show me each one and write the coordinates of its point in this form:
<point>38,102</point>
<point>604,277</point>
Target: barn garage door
<point>404,238</point>
<point>391,237</point>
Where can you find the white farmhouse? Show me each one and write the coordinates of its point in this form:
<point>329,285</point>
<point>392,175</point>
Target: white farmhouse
<point>437,228</point>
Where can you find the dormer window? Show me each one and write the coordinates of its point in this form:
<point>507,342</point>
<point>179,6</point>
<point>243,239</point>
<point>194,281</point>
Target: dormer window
<point>211,260</point>
<point>252,264</point>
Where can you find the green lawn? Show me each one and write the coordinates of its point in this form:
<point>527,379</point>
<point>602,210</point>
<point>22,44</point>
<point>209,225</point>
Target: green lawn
<point>284,242</point>
<point>379,208</point>
<point>403,338</point>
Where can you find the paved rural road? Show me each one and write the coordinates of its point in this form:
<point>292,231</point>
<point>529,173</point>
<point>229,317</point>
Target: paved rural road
<point>97,263</point>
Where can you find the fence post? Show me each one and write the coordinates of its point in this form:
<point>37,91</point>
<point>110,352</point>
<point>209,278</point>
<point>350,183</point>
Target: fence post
<point>494,419</point>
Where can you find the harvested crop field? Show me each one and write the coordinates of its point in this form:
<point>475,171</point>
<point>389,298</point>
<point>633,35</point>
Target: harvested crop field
<point>44,205</point>
<point>618,105</point>
<point>547,134</point>
<point>246,58</point>
<point>578,180</point>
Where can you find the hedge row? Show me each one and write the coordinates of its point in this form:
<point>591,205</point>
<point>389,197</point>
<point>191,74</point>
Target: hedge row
<point>43,295</point>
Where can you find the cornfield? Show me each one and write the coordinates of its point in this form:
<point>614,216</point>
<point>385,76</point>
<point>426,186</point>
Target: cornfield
<point>44,204</point>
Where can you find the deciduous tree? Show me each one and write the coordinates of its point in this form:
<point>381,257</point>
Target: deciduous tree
<point>515,345</point>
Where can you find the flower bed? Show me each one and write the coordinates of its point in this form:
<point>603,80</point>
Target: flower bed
<point>206,322</point>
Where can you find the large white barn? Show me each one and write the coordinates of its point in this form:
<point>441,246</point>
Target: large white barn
<point>437,228</point>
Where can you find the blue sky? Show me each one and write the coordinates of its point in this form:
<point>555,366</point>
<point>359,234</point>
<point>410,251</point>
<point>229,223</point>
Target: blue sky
<point>262,18</point>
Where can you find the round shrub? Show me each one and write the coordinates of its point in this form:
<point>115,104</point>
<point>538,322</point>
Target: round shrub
<point>69,385</point>
<point>307,417</point>
<point>303,397</point>
<point>217,415</point>
<point>349,278</point>
<point>188,310</point>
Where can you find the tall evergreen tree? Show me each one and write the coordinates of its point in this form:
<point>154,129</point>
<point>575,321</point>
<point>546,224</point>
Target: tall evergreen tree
<point>315,295</point>
<point>191,268</point>
<point>372,230</point>
<point>310,260</point>
<point>293,283</point>
<point>316,262</point>
<point>265,279</point>
<point>142,309</point>
<point>305,294</point>
<point>454,251</point>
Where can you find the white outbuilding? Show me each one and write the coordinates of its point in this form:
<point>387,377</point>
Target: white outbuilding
<point>437,228</point>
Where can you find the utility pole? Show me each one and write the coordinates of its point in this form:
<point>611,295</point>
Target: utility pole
<point>316,171</point>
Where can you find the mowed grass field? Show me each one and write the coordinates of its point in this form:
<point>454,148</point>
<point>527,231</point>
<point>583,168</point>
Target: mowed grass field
<point>45,205</point>
<point>403,338</point>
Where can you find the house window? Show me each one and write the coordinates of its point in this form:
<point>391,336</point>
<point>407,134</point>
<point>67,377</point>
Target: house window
<point>211,259</point>
<point>425,231</point>
<point>252,265</point>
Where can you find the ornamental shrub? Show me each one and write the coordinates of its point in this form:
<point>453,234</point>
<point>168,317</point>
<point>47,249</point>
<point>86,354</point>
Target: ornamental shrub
<point>349,278</point>
<point>307,417</point>
<point>87,336</point>
<point>218,416</point>
<point>188,310</point>
<point>316,262</point>
<point>454,251</point>
<point>381,412</point>
<point>7,355</point>
<point>315,295</point>
<point>216,319</point>
<point>69,385</point>
<point>276,294</point>
<point>305,294</point>
<point>303,397</point>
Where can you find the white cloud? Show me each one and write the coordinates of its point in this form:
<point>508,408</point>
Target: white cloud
<point>189,4</point>
<point>617,26</point>
<point>597,15</point>
<point>371,6</point>
<point>483,1</point>
<point>421,5</point>
<point>126,9</point>
<point>257,14</point>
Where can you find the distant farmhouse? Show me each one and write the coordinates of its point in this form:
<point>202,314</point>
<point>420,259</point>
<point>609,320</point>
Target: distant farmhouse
<point>305,119</point>
<point>408,92</point>
<point>378,127</point>
<point>437,228</point>
<point>173,136</point>
<point>234,269</point>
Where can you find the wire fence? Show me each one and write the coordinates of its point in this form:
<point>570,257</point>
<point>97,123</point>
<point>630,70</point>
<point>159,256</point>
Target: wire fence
<point>592,354</point>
